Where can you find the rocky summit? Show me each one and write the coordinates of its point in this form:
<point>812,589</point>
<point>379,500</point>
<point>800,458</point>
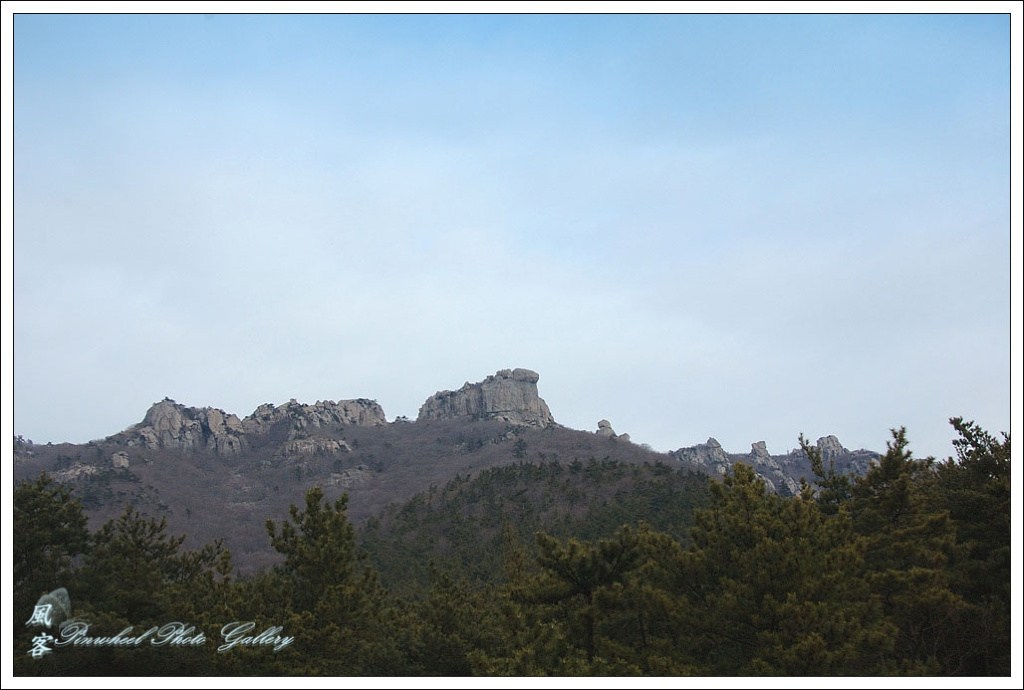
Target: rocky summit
<point>214,474</point>
<point>510,396</point>
<point>781,473</point>
<point>170,425</point>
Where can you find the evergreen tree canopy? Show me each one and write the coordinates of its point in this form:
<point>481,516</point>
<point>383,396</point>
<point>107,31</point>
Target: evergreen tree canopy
<point>50,530</point>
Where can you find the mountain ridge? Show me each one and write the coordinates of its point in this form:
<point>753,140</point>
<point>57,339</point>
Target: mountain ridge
<point>207,470</point>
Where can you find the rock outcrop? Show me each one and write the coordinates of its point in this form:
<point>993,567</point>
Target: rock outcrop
<point>710,455</point>
<point>840,460</point>
<point>830,448</point>
<point>604,428</point>
<point>509,395</point>
<point>781,473</point>
<point>170,425</point>
<point>770,469</point>
<point>321,447</point>
<point>323,414</point>
<point>76,471</point>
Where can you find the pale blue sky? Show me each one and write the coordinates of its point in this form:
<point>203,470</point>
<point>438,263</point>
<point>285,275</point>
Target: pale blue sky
<point>744,227</point>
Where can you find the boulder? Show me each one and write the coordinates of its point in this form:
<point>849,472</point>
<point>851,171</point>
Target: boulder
<point>509,395</point>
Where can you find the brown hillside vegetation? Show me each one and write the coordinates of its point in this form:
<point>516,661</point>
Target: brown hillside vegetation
<point>207,495</point>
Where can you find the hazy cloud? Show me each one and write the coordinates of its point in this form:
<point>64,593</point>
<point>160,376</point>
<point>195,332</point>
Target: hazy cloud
<point>740,227</point>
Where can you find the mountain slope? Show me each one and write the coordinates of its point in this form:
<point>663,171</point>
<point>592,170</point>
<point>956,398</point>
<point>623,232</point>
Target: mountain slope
<point>213,474</point>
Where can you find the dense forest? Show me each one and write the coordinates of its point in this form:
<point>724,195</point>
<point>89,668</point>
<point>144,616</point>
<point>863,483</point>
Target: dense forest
<point>547,568</point>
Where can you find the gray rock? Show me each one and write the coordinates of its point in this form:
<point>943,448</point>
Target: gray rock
<point>774,470</point>
<point>322,414</point>
<point>831,448</point>
<point>75,472</point>
<point>781,473</point>
<point>315,446</point>
<point>168,424</point>
<point>509,395</point>
<point>710,455</point>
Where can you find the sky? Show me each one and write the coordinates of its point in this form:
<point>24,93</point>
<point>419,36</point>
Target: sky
<point>744,227</point>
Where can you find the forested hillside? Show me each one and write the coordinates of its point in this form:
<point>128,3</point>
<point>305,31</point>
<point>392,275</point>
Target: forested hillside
<point>207,495</point>
<point>541,568</point>
<point>468,525</point>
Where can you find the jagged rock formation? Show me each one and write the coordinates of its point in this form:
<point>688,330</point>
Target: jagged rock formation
<point>841,460</point>
<point>509,395</point>
<point>782,473</point>
<point>76,471</point>
<point>170,425</point>
<point>604,428</point>
<point>710,455</point>
<point>830,448</point>
<point>322,414</point>
<point>774,473</point>
<point>315,446</point>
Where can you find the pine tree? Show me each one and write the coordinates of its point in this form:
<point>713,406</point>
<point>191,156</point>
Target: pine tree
<point>768,585</point>
<point>975,489</point>
<point>577,572</point>
<point>549,615</point>
<point>50,533</point>
<point>50,530</point>
<point>911,543</point>
<point>335,602</point>
<point>131,561</point>
<point>136,575</point>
